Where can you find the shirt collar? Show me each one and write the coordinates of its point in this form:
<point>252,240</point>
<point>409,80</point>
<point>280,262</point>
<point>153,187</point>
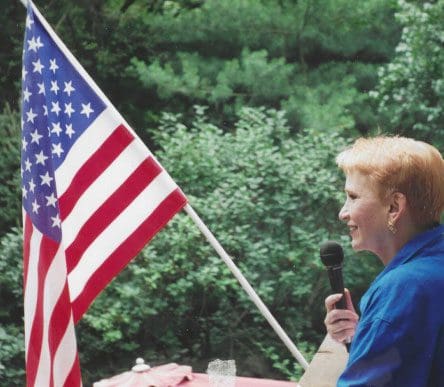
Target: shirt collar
<point>412,247</point>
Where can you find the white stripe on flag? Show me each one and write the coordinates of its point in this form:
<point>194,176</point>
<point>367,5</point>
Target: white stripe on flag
<point>66,355</point>
<point>104,186</point>
<point>32,283</point>
<point>118,231</point>
<point>54,284</point>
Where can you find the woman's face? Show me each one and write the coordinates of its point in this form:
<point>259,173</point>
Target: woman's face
<point>365,214</point>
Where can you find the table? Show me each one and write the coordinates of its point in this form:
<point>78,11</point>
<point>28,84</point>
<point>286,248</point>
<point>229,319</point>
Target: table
<point>201,380</point>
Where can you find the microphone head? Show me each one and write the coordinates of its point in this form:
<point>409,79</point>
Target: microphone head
<point>331,253</point>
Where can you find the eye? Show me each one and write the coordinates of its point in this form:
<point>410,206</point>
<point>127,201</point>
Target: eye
<point>352,195</point>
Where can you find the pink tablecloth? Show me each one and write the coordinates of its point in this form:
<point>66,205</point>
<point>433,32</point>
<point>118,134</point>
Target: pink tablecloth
<point>201,380</point>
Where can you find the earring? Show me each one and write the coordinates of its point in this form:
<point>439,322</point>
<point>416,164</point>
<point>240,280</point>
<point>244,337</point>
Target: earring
<point>391,227</point>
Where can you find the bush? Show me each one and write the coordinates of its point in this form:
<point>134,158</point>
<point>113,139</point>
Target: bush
<point>12,348</point>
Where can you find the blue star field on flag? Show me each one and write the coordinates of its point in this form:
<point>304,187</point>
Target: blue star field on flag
<point>57,106</point>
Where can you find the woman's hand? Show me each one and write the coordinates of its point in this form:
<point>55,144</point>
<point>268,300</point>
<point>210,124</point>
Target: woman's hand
<point>340,323</point>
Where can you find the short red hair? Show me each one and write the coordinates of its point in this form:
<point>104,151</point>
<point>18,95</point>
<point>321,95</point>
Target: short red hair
<point>400,164</point>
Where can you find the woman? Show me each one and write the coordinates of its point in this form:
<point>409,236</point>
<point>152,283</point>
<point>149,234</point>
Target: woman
<point>394,201</point>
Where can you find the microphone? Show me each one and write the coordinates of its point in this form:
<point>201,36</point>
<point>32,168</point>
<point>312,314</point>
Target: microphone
<point>332,256</point>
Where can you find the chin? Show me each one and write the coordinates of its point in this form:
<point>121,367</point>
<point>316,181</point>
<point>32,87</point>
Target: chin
<point>356,246</point>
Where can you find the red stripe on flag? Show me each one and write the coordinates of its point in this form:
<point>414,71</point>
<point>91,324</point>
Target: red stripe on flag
<point>58,327</point>
<point>74,378</point>
<point>142,176</point>
<point>129,248</point>
<point>48,250</point>
<point>59,321</point>
<point>119,139</point>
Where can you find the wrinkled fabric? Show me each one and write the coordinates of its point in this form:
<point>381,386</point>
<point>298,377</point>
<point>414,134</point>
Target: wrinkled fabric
<point>399,339</point>
<point>166,375</point>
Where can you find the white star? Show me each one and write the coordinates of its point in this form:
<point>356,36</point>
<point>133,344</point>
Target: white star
<point>37,66</point>
<point>53,67</point>
<point>68,88</point>
<point>45,110</point>
<point>55,221</point>
<point>24,144</point>
<point>68,109</point>
<point>39,43</point>
<point>57,149</point>
<point>56,128</point>
<point>55,108</point>
<point>33,44</point>
<point>51,200</point>
<point>28,165</point>
<point>54,87</point>
<point>40,158</point>
<point>24,192</point>
<point>31,185</point>
<point>24,73</point>
<point>86,109</point>
<point>35,206</point>
<point>29,22</point>
<point>26,95</point>
<point>36,136</point>
<point>69,130</point>
<point>41,88</point>
<point>46,179</point>
<point>31,115</point>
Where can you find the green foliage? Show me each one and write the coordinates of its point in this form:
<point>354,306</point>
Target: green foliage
<point>326,97</point>
<point>10,145</point>
<point>12,355</point>
<point>11,324</point>
<point>11,52</point>
<point>242,53</point>
<point>243,57</point>
<point>362,30</point>
<point>323,99</point>
<point>410,93</point>
<point>289,369</point>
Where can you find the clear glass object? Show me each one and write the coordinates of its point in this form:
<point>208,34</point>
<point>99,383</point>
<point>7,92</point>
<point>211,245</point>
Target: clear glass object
<point>222,373</point>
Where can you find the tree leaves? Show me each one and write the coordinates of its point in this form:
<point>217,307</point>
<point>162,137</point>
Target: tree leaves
<point>410,92</point>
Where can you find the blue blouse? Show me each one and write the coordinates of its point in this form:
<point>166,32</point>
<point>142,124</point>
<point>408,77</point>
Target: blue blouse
<point>399,339</point>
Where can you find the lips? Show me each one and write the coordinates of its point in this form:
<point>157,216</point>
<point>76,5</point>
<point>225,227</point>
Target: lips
<point>352,228</point>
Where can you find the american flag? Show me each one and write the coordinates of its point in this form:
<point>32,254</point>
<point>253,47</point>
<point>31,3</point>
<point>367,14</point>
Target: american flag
<point>93,196</point>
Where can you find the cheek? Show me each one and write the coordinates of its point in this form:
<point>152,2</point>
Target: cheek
<point>375,222</point>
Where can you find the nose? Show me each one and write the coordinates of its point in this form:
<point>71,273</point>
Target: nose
<point>343,213</point>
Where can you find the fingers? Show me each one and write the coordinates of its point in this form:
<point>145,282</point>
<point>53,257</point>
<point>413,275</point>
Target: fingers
<point>342,326</point>
<point>331,300</point>
<point>337,315</point>
<point>348,300</point>
<point>341,330</point>
<point>340,323</point>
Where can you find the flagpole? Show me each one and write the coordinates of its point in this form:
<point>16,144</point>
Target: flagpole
<point>247,287</point>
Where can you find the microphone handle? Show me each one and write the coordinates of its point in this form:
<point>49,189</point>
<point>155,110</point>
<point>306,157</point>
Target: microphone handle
<point>337,286</point>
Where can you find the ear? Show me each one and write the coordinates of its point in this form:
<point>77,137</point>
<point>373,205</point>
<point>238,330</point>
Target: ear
<point>397,206</point>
